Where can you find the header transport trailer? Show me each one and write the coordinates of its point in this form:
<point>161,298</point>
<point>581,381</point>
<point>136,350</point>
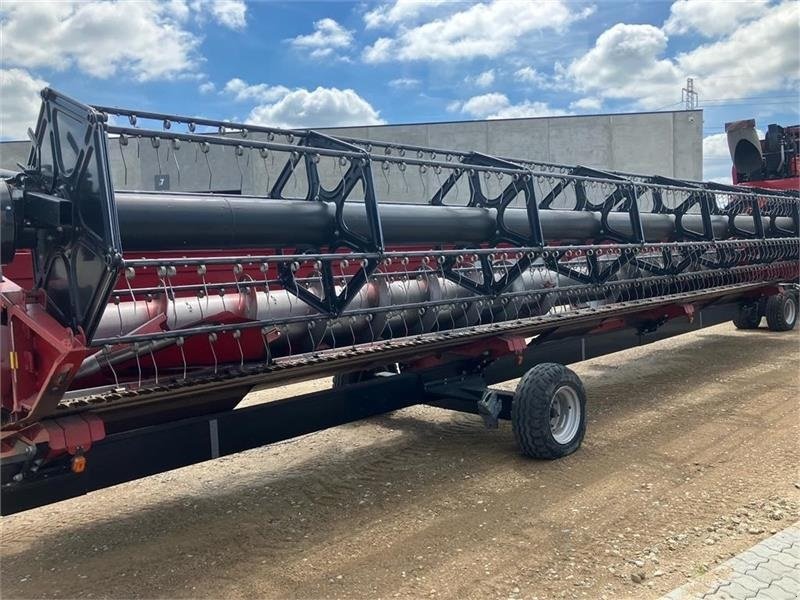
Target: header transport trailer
<point>133,323</point>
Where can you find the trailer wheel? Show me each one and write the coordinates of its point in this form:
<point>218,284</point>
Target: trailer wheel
<point>748,316</point>
<point>782,312</point>
<point>548,413</point>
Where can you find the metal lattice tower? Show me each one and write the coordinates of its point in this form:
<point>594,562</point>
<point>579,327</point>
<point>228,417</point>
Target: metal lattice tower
<point>688,95</point>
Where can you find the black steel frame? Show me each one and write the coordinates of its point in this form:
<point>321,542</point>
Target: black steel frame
<point>69,193</point>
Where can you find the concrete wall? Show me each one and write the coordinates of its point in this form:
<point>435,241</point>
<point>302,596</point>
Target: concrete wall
<point>664,143</point>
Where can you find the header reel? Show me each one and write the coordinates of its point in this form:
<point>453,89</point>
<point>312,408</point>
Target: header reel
<point>332,254</point>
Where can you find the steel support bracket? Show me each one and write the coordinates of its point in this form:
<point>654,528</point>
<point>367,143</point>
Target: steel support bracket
<point>489,408</point>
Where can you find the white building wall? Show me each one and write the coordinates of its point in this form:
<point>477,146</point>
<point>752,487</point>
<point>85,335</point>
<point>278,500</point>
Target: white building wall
<point>661,143</point>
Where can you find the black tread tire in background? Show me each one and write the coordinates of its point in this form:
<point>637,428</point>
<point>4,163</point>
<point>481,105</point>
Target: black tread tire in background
<point>531,411</point>
<point>748,316</point>
<point>782,311</point>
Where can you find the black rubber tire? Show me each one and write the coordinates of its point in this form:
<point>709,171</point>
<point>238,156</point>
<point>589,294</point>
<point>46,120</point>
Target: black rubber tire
<point>776,312</point>
<point>748,317</point>
<point>530,411</point>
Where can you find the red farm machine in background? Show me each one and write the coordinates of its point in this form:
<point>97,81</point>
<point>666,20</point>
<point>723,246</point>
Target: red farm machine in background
<point>771,163</point>
<point>134,322</point>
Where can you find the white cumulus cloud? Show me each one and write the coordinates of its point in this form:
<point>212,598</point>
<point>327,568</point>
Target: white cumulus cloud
<point>404,83</point>
<point>480,30</point>
<point>380,51</point>
<point>527,110</point>
<point>99,38</point>
<point>146,40</point>
<point>711,18</point>
<point>19,103</point>
<point>630,62</point>
<point>260,92</point>
<point>483,80</point>
<point>529,75</point>
<point>399,11</point>
<point>716,158</point>
<point>485,104</point>
<point>328,37</point>
<point>322,107</point>
<point>496,105</point>
<point>626,62</point>
<point>760,56</point>
<point>589,103</point>
<point>716,146</point>
<point>230,13</point>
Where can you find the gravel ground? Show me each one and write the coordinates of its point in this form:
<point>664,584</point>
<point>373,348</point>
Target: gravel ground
<point>691,456</point>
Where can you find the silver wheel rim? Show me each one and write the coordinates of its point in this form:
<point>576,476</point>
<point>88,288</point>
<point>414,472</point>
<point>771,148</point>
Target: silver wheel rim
<point>565,414</point>
<point>789,310</point>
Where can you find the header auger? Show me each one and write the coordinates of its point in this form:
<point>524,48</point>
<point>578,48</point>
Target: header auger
<point>135,318</point>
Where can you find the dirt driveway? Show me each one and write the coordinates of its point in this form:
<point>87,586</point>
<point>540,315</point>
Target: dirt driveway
<point>691,455</point>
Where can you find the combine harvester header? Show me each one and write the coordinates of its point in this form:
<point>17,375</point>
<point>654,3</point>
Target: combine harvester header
<point>134,322</point>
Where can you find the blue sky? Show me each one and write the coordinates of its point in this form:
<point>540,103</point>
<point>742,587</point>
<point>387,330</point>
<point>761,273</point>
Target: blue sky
<point>306,64</point>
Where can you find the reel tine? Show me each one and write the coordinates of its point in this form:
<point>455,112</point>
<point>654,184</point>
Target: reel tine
<point>212,339</point>
<point>385,166</point>
<point>315,193</point>
<point>264,153</point>
<point>138,364</point>
<point>293,162</point>
<point>111,365</point>
<point>371,331</point>
<point>123,141</point>
<point>402,168</point>
<point>237,153</point>
<point>205,149</point>
<point>267,353</point>
<point>130,273</point>
<point>155,364</point>
<point>328,329</point>
<point>288,339</point>
<point>119,314</point>
<point>237,335</point>
<point>156,144</point>
<point>309,328</point>
<point>179,342</point>
<point>175,147</point>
